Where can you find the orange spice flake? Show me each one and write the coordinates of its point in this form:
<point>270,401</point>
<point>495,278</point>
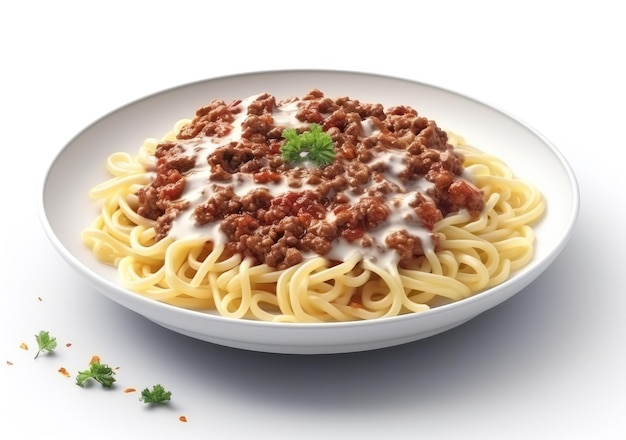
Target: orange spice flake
<point>95,358</point>
<point>23,346</point>
<point>64,372</point>
<point>129,390</point>
<point>183,419</point>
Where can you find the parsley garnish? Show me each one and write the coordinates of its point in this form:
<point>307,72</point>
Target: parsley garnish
<point>45,342</point>
<point>313,145</point>
<point>101,373</point>
<point>156,395</point>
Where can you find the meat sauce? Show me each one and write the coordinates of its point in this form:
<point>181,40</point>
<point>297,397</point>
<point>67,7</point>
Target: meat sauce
<point>393,177</point>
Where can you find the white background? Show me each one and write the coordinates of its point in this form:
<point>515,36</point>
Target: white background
<point>549,363</point>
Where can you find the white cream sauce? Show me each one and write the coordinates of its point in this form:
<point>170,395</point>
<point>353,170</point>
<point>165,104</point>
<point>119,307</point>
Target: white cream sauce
<point>198,189</point>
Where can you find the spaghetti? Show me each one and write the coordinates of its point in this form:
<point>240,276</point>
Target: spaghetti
<point>406,218</point>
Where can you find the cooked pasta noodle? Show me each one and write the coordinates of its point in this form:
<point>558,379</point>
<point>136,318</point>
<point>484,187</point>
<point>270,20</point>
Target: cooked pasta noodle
<point>474,253</point>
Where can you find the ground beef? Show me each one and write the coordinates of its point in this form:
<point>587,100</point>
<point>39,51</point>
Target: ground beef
<point>288,211</point>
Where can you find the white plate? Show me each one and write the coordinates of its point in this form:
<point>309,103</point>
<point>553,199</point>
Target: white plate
<point>66,208</point>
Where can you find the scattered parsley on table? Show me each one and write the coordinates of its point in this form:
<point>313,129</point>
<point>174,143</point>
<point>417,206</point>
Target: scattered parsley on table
<point>101,373</point>
<point>158,394</point>
<point>45,342</point>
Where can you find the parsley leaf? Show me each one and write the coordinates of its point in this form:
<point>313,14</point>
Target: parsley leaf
<point>314,145</point>
<point>45,342</point>
<point>101,373</point>
<point>156,395</point>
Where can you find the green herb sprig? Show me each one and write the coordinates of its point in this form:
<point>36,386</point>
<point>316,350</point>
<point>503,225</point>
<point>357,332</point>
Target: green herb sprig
<point>45,342</point>
<point>101,373</point>
<point>158,394</point>
<point>314,145</point>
